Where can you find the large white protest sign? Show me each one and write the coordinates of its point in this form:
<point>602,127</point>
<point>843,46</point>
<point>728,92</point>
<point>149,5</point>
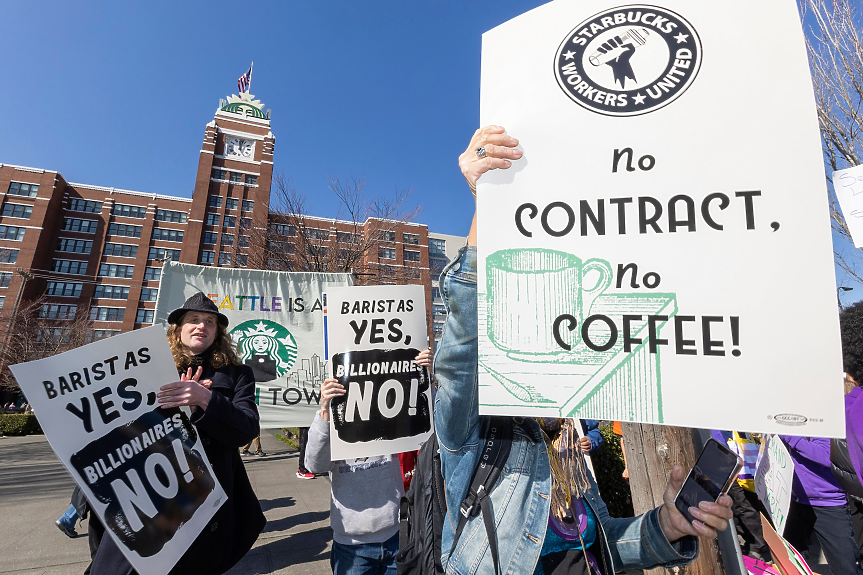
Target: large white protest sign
<point>848,185</point>
<point>773,479</point>
<point>276,320</point>
<point>662,251</point>
<point>143,469</point>
<point>374,333</point>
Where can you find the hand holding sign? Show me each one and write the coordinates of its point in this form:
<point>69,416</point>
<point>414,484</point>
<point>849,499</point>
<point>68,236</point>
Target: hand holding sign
<point>499,150</point>
<point>331,388</point>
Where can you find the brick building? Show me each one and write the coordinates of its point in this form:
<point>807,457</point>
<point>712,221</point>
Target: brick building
<point>97,250</point>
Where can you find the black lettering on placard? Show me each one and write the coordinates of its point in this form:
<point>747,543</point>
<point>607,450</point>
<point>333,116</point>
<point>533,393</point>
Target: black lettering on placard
<point>386,395</point>
<point>150,477</point>
<point>602,333</point>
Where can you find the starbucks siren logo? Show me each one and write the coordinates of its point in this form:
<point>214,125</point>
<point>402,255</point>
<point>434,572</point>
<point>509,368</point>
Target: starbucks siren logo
<point>265,346</point>
<point>629,60</point>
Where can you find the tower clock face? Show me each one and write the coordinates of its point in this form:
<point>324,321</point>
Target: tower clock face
<point>239,147</point>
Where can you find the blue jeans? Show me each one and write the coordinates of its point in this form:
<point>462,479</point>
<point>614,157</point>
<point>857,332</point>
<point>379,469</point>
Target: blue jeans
<point>835,533</point>
<point>365,559</point>
<point>69,518</point>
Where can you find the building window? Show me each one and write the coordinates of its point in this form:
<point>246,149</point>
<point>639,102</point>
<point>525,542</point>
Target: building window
<point>79,225</point>
<point>5,278</point>
<point>144,315</point>
<point>103,333</point>
<point>127,211</point>
<point>170,216</point>
<point>435,293</point>
<point>242,260</point>
<point>243,241</point>
<point>75,246</point>
<point>245,223</point>
<point>219,175</point>
<point>120,250</point>
<point>412,272</point>
<point>251,180</point>
<point>232,203</point>
<point>438,309</point>
<point>283,229</point>
<point>164,254</point>
<point>412,239</point>
<point>82,205</point>
<point>317,234</point>
<point>17,211</point>
<point>210,237</point>
<point>14,233</point>
<point>58,311</point>
<point>386,236</point>
<point>116,271</point>
<point>437,246</point>
<point>8,256</point>
<point>98,313</point>
<point>437,265</point>
<point>347,238</point>
<point>230,221</point>
<point>319,252</point>
<point>215,202</point>
<point>281,247</point>
<point>167,235</point>
<point>224,259</point>
<point>208,256</point>
<point>149,294</point>
<point>213,219</point>
<point>22,189</point>
<point>227,239</point>
<point>412,256</point>
<point>126,230</point>
<point>152,273</point>
<point>64,289</point>
<point>387,253</point>
<point>236,178</point>
<point>248,205</point>
<point>111,292</point>
<point>77,267</point>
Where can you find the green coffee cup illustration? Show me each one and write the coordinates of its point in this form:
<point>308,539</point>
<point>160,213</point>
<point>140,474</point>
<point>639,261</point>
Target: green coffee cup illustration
<point>528,289</point>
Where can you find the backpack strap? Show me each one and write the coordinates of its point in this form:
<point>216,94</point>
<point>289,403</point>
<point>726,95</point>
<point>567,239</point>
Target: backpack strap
<point>495,451</point>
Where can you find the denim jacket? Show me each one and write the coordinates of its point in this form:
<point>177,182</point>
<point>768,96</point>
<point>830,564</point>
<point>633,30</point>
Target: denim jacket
<point>520,499</point>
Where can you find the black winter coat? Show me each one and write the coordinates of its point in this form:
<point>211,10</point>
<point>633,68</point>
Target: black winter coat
<point>843,468</point>
<point>230,421</point>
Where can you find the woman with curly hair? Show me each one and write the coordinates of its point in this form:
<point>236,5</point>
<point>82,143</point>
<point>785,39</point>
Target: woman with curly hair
<point>220,391</point>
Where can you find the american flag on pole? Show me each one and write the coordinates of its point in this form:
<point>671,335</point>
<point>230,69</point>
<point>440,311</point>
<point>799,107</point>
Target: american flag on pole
<point>245,80</point>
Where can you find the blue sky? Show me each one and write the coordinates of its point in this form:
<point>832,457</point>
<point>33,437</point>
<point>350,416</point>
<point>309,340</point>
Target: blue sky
<point>118,93</point>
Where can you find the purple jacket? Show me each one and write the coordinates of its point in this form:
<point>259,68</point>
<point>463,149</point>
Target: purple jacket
<point>814,483</point>
<point>854,428</point>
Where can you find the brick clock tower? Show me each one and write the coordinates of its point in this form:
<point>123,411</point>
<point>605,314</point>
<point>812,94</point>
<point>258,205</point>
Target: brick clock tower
<point>232,188</point>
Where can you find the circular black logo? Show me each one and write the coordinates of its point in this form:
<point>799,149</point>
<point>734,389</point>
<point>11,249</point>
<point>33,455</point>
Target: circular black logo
<point>629,60</point>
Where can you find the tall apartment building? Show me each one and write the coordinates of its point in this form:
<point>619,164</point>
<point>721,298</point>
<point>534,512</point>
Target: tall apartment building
<point>100,250</point>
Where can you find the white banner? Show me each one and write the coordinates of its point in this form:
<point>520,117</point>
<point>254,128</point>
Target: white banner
<point>664,242</point>
<point>773,480</point>
<point>848,185</point>
<point>374,334</point>
<point>143,469</point>
<point>276,320</point>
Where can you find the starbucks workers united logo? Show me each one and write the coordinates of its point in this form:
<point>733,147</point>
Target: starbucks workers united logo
<point>265,346</point>
<point>629,60</point>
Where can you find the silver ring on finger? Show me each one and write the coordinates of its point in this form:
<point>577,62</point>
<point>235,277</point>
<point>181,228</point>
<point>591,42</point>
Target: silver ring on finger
<point>480,152</point>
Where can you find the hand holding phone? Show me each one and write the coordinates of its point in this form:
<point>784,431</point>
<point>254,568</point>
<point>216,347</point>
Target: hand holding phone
<point>710,477</point>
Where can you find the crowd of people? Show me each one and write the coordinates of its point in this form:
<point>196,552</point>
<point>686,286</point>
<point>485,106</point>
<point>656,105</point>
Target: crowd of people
<point>548,518</point>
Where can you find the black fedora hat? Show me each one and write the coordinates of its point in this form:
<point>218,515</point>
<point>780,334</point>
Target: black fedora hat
<point>198,302</point>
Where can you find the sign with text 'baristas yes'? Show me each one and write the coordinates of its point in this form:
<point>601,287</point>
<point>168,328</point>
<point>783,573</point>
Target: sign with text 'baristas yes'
<point>143,469</point>
<point>374,334</point>
<point>662,251</point>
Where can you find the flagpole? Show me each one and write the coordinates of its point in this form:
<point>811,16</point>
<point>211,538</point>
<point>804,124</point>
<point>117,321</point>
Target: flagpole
<point>251,69</point>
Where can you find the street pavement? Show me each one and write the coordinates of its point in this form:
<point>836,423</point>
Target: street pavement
<point>35,491</point>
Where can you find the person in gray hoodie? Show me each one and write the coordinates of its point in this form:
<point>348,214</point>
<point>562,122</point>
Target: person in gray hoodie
<point>364,505</point>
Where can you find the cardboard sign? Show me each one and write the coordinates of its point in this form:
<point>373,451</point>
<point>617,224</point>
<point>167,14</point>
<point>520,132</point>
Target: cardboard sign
<point>664,242</point>
<point>773,479</point>
<point>848,185</point>
<point>143,469</point>
<point>785,556</point>
<point>374,333</point>
<point>277,322</point>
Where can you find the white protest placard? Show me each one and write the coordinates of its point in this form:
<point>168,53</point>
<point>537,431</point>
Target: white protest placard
<point>143,469</point>
<point>848,185</point>
<point>664,243</point>
<point>277,322</point>
<point>374,333</point>
<point>773,478</point>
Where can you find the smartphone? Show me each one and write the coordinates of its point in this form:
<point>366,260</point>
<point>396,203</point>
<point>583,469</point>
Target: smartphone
<point>716,468</point>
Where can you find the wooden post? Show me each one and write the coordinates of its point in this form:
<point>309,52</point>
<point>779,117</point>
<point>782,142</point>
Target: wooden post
<point>651,452</point>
